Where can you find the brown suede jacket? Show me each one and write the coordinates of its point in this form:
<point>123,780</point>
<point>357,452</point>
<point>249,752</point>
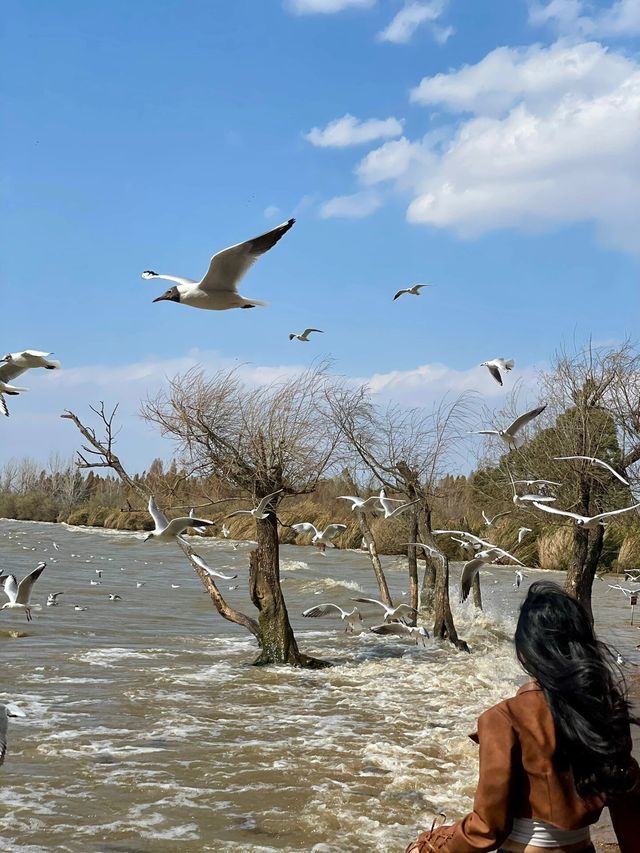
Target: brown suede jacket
<point>518,779</point>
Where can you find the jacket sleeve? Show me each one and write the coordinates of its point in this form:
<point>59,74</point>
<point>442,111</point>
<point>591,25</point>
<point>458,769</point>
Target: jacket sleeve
<point>625,814</point>
<point>487,826</point>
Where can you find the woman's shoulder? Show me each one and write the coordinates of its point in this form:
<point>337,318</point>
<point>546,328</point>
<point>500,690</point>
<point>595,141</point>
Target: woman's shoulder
<point>528,699</point>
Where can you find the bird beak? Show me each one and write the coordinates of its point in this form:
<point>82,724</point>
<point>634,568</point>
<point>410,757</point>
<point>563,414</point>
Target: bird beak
<point>161,298</point>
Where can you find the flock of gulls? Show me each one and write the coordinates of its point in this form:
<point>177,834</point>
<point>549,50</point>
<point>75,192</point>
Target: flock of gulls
<point>217,290</point>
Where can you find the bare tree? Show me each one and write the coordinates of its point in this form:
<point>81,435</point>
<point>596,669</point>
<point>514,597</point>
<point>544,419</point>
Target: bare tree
<point>406,450</point>
<point>272,439</point>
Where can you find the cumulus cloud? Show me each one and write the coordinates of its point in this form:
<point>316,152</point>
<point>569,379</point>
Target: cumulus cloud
<point>552,139</point>
<point>539,76</point>
<point>621,19</point>
<point>348,130</point>
<point>325,7</point>
<point>403,26</point>
<point>356,206</point>
<point>272,211</point>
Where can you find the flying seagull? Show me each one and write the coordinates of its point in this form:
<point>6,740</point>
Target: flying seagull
<point>386,504</point>
<point>508,435</point>
<point>361,504</point>
<point>7,711</point>
<point>15,364</point>
<point>166,530</point>
<point>217,291</point>
<point>351,618</point>
<point>472,568</point>
<point>52,599</point>
<point>419,634</point>
<point>114,597</point>
<point>536,483</point>
<point>390,613</point>
<point>414,290</point>
<point>473,539</point>
<point>321,538</point>
<point>598,462</point>
<point>211,572</point>
<point>489,522</point>
<point>520,576</point>
<point>19,593</point>
<point>428,549</point>
<point>496,365</point>
<point>522,533</point>
<point>589,523</point>
<point>304,337</point>
<point>258,512</point>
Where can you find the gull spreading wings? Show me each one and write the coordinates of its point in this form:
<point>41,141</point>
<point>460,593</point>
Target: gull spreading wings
<point>197,559</point>
<point>321,538</point>
<point>508,435</point>
<point>361,504</point>
<point>352,618</point>
<point>304,336</point>
<point>6,711</point>
<point>217,290</point>
<point>14,364</point>
<point>598,462</point>
<point>258,512</point>
<point>20,593</point>
<point>472,568</point>
<point>387,505</point>
<point>399,629</point>
<point>489,522</point>
<point>589,523</point>
<point>390,613</point>
<point>166,530</point>
<point>414,290</point>
<point>496,365</point>
<point>471,537</point>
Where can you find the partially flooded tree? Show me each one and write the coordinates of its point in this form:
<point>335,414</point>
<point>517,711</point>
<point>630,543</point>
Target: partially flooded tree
<point>406,450</point>
<point>593,410</point>
<point>276,438</point>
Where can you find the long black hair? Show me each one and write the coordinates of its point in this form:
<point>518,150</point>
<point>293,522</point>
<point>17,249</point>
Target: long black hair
<point>584,688</point>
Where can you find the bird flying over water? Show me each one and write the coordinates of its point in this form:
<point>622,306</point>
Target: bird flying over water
<point>7,711</point>
<point>217,290</point>
<point>390,613</point>
<point>351,618</point>
<point>472,568</point>
<point>489,522</point>
<point>321,538</point>
<point>496,365</point>
<point>508,435</point>
<point>197,559</point>
<point>259,511</point>
<point>399,629</point>
<point>20,593</point>
<point>165,530</point>
<point>304,336</point>
<point>52,599</point>
<point>522,533</point>
<point>361,504</point>
<point>414,290</point>
<point>389,510</point>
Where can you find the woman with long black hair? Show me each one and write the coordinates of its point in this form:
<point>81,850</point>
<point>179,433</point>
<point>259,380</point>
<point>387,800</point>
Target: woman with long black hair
<point>553,756</point>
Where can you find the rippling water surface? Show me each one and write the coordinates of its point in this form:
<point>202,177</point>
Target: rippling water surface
<point>148,729</point>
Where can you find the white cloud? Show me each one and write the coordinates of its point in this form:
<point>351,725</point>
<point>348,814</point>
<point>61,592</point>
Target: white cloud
<point>552,141</point>
<point>272,211</point>
<point>412,16</point>
<point>537,75</point>
<point>348,130</point>
<point>356,206</point>
<point>326,7</point>
<point>621,19</point>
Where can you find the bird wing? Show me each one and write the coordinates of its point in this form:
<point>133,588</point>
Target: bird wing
<point>484,432</point>
<point>469,572</point>
<point>27,582</point>
<point>9,371</point>
<point>54,595</point>
<point>400,509</point>
<point>3,406</point>
<point>11,588</point>
<point>324,610</point>
<point>266,500</point>
<point>397,628</point>
<point>595,461</point>
<point>179,279</point>
<point>493,370</point>
<point>400,292</point>
<point>470,537</point>
<point>197,559</point>
<point>305,527</point>
<point>333,530</point>
<point>523,420</point>
<point>615,512</point>
<point>228,266</point>
<point>370,601</point>
<point>484,515</point>
<point>308,332</point>
<point>237,512</point>
<point>554,511</point>
<point>179,525</point>
<point>405,607</point>
<point>356,501</point>
<point>159,518</point>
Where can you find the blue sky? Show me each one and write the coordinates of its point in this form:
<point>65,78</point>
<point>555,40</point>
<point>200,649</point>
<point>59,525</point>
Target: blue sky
<point>492,152</point>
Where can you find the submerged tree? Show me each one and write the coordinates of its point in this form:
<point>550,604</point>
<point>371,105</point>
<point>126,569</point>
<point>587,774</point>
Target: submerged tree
<point>406,451</point>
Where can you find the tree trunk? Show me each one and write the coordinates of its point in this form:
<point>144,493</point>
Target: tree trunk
<point>594,552</point>
<point>370,542</point>
<point>427,597</point>
<point>275,636</point>
<point>575,581</point>
<point>412,559</point>
<point>477,592</point>
<point>443,626</point>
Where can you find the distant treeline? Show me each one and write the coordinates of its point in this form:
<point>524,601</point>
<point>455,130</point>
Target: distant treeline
<point>61,492</point>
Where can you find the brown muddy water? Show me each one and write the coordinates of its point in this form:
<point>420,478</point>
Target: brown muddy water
<point>147,728</point>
